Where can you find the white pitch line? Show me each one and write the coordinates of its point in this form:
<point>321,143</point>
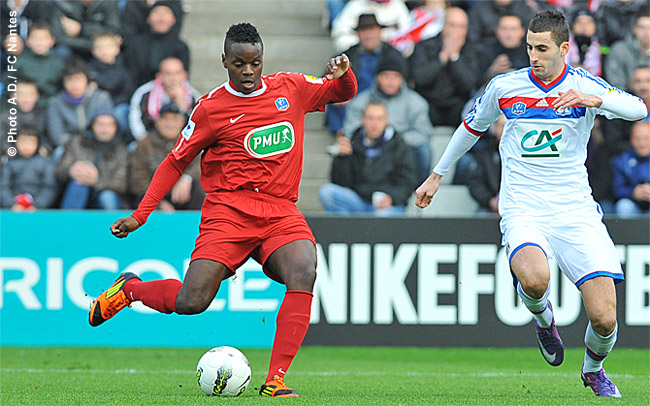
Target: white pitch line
<point>318,373</point>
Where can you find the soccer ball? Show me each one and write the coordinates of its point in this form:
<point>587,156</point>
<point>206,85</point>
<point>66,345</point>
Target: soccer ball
<point>223,371</point>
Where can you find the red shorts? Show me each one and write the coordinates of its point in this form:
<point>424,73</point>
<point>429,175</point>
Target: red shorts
<point>242,224</point>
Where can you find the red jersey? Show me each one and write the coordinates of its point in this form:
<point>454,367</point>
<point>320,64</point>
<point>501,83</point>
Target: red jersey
<point>255,141</point>
<point>249,141</point>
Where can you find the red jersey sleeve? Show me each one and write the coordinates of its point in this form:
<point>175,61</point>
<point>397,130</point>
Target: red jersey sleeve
<point>195,137</point>
<point>164,179</point>
<point>320,91</point>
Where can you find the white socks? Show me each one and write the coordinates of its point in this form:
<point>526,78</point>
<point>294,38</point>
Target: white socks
<point>540,308</point>
<point>597,348</point>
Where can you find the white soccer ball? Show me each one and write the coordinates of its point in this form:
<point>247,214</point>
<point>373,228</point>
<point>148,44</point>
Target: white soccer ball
<point>223,371</point>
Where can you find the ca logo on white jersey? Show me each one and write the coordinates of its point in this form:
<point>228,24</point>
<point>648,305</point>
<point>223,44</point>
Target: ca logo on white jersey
<point>543,144</point>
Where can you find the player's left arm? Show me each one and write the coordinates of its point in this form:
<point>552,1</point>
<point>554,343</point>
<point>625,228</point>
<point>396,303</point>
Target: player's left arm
<point>617,103</point>
<point>339,85</point>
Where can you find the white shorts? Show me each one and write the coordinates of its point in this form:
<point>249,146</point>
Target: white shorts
<point>579,242</point>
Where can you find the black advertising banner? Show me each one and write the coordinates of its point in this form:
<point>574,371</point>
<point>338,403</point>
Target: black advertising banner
<point>446,282</point>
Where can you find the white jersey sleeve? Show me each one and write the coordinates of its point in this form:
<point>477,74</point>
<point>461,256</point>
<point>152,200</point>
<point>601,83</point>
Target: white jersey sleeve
<point>484,112</point>
<point>486,109</point>
<point>616,103</point>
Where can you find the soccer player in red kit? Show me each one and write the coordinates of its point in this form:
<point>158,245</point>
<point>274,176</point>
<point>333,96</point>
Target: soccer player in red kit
<point>251,132</point>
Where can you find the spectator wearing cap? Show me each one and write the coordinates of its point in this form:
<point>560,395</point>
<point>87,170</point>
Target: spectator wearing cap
<point>363,61</point>
<point>392,14</point>
<point>93,168</point>
<point>144,52</point>
<point>187,194</point>
<point>170,85</point>
<point>584,48</point>
<point>408,112</point>
<point>445,70</point>
<point>70,110</point>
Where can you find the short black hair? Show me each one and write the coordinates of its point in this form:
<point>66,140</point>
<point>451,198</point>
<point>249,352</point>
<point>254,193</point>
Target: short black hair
<point>242,33</point>
<point>553,21</point>
<point>511,15</point>
<point>103,34</point>
<point>74,66</point>
<point>643,12</point>
<point>40,25</point>
<point>29,130</point>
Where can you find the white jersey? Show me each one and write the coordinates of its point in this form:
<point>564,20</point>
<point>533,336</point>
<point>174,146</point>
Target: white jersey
<point>543,152</point>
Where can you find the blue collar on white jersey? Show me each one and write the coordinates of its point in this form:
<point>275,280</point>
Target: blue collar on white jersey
<point>550,86</point>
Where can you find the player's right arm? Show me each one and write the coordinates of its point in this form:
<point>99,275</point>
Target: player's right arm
<point>196,136</point>
<point>609,101</point>
<point>485,112</point>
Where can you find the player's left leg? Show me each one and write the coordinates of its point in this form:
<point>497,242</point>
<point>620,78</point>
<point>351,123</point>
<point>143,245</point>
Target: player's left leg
<point>295,265</point>
<point>599,297</point>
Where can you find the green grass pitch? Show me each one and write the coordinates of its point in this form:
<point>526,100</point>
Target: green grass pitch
<point>323,376</point>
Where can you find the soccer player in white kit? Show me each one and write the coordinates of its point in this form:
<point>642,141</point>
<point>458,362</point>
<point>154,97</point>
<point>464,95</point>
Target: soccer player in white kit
<point>545,201</point>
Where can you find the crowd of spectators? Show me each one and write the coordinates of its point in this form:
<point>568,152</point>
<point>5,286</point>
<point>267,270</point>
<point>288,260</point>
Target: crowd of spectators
<point>102,89</point>
<point>453,48</point>
<point>101,92</point>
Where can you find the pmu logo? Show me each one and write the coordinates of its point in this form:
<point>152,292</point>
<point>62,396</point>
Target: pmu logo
<point>543,144</point>
<point>270,140</point>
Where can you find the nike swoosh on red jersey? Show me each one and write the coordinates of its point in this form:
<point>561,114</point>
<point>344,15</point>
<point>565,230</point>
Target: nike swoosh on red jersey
<point>233,120</point>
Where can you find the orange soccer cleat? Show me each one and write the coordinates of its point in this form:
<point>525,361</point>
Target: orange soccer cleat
<point>111,301</point>
<point>276,388</point>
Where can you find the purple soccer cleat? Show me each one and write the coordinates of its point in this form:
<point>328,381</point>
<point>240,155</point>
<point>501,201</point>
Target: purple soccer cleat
<point>600,383</point>
<point>550,344</point>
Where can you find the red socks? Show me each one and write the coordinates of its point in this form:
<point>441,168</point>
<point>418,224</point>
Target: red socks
<point>292,321</point>
<point>292,325</point>
<point>159,295</point>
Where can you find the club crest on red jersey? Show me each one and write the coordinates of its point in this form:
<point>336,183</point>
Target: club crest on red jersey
<point>281,103</point>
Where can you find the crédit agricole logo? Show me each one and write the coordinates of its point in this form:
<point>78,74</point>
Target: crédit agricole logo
<point>270,140</point>
<point>541,144</point>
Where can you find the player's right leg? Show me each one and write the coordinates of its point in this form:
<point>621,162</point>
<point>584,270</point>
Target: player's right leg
<point>529,264</point>
<point>193,296</point>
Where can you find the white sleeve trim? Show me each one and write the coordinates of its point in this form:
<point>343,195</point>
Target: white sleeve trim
<point>460,143</point>
<point>624,105</point>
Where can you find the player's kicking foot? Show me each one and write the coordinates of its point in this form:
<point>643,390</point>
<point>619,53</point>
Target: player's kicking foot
<point>600,383</point>
<point>276,388</point>
<point>111,301</point>
<point>550,343</point>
